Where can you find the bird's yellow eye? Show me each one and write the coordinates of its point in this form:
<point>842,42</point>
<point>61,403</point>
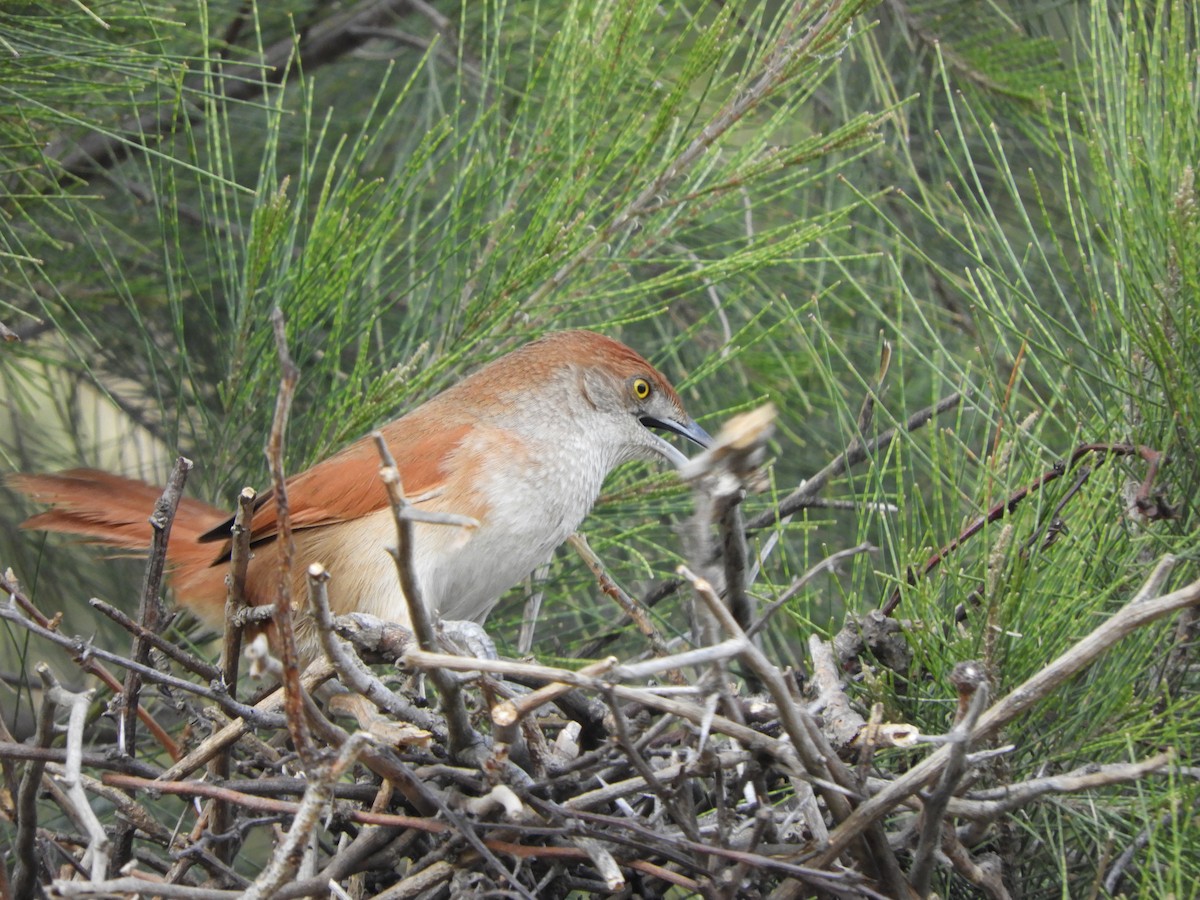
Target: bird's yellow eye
<point>640,388</point>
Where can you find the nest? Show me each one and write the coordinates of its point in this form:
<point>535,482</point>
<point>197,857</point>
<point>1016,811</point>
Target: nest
<point>709,772</point>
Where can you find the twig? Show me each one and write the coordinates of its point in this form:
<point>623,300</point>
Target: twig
<point>169,649</point>
<point>349,667</point>
<point>421,883</point>
<point>1136,614</point>
<point>842,725</point>
<point>1112,878</point>
<point>262,714</point>
<point>602,859</point>
<point>220,815</point>
<point>134,886</point>
<point>984,873</point>
<point>26,859</point>
<point>629,606</point>
<point>35,752</point>
<point>721,477</point>
<point>512,710</point>
<point>235,598</point>
<point>150,607</point>
<point>96,857</point>
<point>464,741</point>
<point>81,653</point>
<point>854,454</point>
<point>826,565</point>
<point>532,610</point>
<point>971,682</point>
<point>83,649</point>
<point>133,812</point>
<point>988,805</point>
<point>286,858</point>
<point>284,610</point>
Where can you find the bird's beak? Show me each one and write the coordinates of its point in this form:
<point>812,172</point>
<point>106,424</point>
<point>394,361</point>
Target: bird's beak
<point>687,428</point>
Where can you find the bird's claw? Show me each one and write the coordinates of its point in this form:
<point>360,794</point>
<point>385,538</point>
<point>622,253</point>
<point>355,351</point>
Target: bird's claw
<point>466,638</point>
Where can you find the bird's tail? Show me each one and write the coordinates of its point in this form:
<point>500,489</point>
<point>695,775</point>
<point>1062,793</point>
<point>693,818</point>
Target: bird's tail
<point>115,512</point>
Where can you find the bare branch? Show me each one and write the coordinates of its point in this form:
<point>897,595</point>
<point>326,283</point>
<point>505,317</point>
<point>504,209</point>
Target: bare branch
<point>284,608</point>
<point>465,742</point>
<point>150,607</point>
<point>1134,615</point>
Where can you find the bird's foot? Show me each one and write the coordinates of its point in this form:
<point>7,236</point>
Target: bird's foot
<point>466,639</point>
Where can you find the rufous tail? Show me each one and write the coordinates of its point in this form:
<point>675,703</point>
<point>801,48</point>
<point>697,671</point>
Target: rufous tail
<point>115,512</point>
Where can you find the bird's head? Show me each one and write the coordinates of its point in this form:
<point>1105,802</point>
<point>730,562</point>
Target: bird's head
<point>635,398</point>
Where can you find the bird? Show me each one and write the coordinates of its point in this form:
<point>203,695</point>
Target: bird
<point>522,446</point>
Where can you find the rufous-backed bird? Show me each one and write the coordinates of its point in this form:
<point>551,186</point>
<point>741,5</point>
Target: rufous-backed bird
<point>523,446</point>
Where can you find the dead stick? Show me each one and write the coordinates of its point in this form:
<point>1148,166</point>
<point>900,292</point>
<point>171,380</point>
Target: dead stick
<point>220,816</point>
<point>971,682</point>
<point>856,453</point>
<point>284,630</point>
<point>235,598</point>
<point>189,661</point>
<point>150,609</point>
<point>465,743</point>
<point>1134,615</point>
<point>25,875</point>
<point>260,715</point>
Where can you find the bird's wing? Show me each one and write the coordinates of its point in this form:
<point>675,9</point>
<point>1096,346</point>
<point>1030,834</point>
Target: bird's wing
<point>347,485</point>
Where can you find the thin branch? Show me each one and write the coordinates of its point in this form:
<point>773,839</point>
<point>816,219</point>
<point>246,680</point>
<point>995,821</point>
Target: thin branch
<point>854,454</point>
<point>464,741</point>
<point>632,609</point>
<point>235,598</point>
<point>264,714</point>
<point>92,760</point>
<point>220,814</point>
<point>84,649</point>
<point>1136,614</point>
<point>826,565</point>
<point>26,858</point>
<point>150,607</point>
<point>169,649</point>
<point>284,609</point>
<point>971,682</point>
<point>692,712</point>
<point>96,858</point>
<point>350,669</point>
<point>512,710</point>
